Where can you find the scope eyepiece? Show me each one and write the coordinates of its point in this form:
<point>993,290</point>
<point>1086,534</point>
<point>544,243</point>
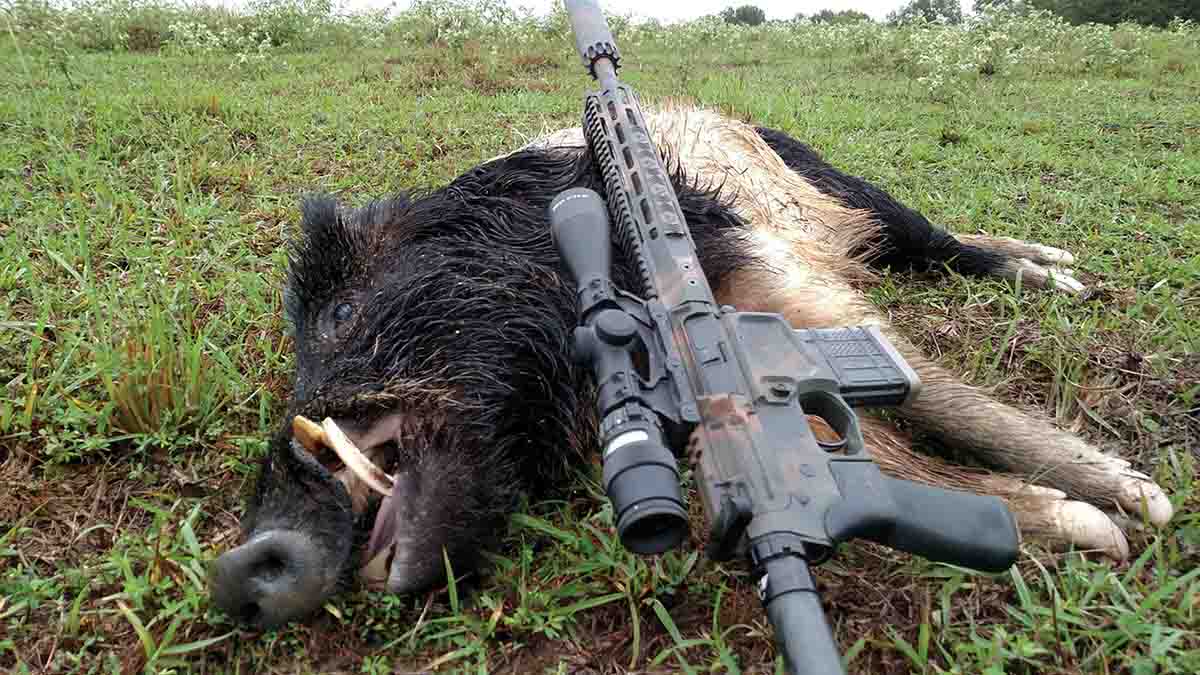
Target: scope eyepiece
<point>641,479</point>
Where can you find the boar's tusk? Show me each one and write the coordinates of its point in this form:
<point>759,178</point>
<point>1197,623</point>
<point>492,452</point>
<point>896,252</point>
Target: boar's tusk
<point>375,573</point>
<point>309,433</point>
<point>355,460</point>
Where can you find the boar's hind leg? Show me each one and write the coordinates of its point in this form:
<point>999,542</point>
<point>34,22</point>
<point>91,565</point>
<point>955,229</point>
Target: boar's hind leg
<point>1023,443</point>
<point>1027,443</point>
<point>909,240</point>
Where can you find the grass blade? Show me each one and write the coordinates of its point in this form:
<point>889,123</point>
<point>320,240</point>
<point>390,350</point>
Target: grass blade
<point>680,644</point>
<point>451,582</point>
<point>139,628</point>
<point>176,650</point>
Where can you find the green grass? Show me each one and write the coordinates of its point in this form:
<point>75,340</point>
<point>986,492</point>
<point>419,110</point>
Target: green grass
<point>144,200</point>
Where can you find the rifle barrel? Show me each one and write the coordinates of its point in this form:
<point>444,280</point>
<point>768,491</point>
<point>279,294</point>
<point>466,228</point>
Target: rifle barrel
<point>801,631</point>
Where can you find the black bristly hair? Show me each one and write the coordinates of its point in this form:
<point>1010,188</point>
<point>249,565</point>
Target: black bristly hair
<point>909,239</point>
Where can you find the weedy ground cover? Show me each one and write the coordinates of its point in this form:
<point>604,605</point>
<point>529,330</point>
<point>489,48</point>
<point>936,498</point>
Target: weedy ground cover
<point>151,161</point>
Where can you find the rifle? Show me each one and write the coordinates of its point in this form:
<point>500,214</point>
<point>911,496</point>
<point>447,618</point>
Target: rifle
<point>677,374</point>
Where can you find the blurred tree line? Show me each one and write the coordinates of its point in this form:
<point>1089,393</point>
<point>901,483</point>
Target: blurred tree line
<point>933,10</point>
<point>750,15</point>
<point>1146,12</point>
<point>746,15</point>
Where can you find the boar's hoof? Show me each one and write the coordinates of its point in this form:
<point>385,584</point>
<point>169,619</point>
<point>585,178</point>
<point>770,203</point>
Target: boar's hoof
<point>273,578</point>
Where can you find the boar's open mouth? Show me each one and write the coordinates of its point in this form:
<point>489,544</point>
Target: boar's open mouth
<point>359,461</point>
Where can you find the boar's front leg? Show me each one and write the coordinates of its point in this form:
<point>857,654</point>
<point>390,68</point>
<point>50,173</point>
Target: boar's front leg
<point>1026,442</point>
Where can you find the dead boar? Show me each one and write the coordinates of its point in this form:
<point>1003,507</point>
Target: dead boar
<point>434,384</point>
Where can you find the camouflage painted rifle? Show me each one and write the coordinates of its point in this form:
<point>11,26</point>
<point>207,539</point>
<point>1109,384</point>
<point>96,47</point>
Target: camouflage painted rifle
<point>677,373</point>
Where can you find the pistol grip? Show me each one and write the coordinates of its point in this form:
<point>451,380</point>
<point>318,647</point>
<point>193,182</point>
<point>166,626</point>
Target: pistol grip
<point>958,528</point>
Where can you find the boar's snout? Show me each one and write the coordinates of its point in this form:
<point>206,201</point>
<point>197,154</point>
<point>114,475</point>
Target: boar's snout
<point>273,578</point>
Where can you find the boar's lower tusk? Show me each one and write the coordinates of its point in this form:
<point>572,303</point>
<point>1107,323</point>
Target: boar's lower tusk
<point>355,460</point>
<point>375,573</point>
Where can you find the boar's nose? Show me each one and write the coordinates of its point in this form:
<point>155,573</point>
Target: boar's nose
<point>272,579</point>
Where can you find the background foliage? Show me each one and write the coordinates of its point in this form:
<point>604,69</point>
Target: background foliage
<point>1109,12</point>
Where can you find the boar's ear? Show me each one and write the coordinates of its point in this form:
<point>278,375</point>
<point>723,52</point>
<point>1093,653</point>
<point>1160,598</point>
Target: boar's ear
<point>319,216</point>
<point>322,259</point>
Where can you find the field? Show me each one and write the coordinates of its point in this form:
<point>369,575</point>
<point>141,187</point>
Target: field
<point>151,164</point>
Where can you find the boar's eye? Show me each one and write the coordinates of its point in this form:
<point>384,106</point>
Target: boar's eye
<point>341,315</point>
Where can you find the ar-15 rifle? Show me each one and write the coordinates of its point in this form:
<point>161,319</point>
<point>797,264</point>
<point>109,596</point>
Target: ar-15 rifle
<point>732,389</point>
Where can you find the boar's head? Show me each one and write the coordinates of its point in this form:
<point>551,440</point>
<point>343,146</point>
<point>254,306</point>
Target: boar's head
<point>432,364</point>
